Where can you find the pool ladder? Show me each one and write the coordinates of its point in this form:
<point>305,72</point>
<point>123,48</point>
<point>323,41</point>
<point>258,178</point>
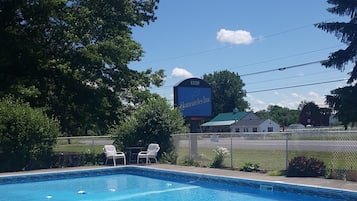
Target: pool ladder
<point>266,188</point>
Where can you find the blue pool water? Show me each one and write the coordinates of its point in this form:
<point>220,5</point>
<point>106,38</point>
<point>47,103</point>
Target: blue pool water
<point>139,183</point>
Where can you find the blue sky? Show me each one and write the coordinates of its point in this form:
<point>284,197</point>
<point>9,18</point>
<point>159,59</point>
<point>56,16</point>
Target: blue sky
<point>191,38</point>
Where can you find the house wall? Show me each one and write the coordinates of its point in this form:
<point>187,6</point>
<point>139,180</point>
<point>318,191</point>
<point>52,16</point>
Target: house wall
<point>264,127</point>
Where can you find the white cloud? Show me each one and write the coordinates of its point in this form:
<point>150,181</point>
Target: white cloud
<point>256,104</point>
<point>317,99</point>
<point>295,95</point>
<point>235,37</point>
<point>180,72</point>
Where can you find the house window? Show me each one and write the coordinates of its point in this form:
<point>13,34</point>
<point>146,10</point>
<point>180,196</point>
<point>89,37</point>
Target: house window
<point>255,129</point>
<point>245,130</point>
<point>270,129</point>
<point>237,130</point>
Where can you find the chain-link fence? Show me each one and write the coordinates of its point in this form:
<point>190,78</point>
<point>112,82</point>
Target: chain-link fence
<point>82,144</point>
<point>337,148</point>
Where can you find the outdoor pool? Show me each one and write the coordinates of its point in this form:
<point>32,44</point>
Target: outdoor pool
<point>150,184</point>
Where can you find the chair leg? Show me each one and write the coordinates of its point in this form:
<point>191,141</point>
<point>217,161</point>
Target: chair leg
<point>106,160</point>
<point>114,161</point>
<point>124,159</point>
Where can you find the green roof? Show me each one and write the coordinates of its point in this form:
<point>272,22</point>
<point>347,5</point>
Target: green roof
<point>229,116</point>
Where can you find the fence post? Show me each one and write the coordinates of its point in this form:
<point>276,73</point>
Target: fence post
<point>231,151</point>
<point>93,147</point>
<point>286,150</point>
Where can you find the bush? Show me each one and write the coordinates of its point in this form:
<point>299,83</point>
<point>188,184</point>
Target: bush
<point>169,158</point>
<point>218,159</point>
<point>75,159</point>
<point>27,136</point>
<point>152,122</point>
<point>300,166</point>
<point>250,167</point>
<point>191,162</point>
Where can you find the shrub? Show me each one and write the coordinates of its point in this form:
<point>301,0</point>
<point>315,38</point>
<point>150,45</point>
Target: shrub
<point>27,136</point>
<point>152,122</point>
<point>190,162</point>
<point>218,159</point>
<point>300,166</point>
<point>169,158</point>
<point>250,167</point>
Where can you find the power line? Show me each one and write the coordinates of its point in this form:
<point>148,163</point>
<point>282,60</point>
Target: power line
<point>228,46</point>
<point>286,78</point>
<point>266,71</point>
<point>285,57</point>
<point>296,86</point>
<point>282,68</point>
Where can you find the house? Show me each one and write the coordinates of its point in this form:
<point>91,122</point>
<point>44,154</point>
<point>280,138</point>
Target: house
<point>239,122</point>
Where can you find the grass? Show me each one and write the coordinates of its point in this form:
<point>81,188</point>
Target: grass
<point>97,149</point>
<point>274,160</point>
<point>269,160</point>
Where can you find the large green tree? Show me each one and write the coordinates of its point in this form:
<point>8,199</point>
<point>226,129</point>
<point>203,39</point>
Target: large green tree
<point>71,58</point>
<point>227,92</point>
<point>281,115</point>
<point>343,100</point>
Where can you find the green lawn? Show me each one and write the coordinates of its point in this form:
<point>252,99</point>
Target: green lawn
<point>97,149</point>
<point>267,159</point>
<point>274,159</point>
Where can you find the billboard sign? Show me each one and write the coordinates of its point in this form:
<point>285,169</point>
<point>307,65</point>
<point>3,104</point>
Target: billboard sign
<point>193,98</point>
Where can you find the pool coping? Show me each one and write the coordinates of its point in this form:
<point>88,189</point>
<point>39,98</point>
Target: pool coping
<point>283,184</point>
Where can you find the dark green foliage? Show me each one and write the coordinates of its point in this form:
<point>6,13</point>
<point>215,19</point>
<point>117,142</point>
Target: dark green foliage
<point>27,136</point>
<point>343,100</point>
<point>227,92</point>
<point>169,158</point>
<point>250,167</point>
<point>152,122</point>
<point>66,159</point>
<point>281,115</point>
<point>190,162</point>
<point>71,58</point>
<point>301,166</point>
<point>311,114</point>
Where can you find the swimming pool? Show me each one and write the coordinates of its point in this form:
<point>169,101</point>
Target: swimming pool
<point>143,183</point>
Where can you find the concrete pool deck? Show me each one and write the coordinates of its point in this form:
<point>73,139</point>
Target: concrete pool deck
<point>318,182</point>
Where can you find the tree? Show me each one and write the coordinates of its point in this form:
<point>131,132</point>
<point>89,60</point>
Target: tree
<point>227,92</point>
<point>282,115</point>
<point>342,99</point>
<point>153,122</point>
<point>27,136</point>
<point>312,114</point>
<point>71,58</point>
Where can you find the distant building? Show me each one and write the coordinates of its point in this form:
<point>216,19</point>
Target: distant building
<point>239,122</point>
<point>295,126</point>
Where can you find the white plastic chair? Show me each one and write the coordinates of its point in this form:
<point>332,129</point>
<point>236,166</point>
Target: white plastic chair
<point>150,153</point>
<point>112,154</point>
